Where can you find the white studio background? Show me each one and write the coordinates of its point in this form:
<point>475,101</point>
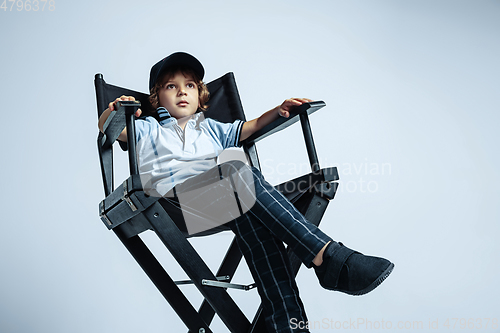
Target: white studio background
<point>411,123</point>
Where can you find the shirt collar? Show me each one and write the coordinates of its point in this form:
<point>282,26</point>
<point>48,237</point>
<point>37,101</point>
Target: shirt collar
<point>163,114</point>
<point>164,117</point>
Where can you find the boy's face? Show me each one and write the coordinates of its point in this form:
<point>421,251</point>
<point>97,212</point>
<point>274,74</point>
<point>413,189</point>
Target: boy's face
<point>179,95</point>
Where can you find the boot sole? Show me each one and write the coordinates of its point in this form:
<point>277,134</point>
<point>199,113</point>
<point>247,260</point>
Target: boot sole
<point>374,284</point>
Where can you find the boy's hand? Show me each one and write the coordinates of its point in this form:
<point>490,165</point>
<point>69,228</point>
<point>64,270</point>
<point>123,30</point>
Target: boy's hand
<point>112,105</point>
<point>252,126</point>
<point>284,109</point>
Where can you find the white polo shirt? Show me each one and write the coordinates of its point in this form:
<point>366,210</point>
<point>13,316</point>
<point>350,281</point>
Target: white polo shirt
<point>168,155</point>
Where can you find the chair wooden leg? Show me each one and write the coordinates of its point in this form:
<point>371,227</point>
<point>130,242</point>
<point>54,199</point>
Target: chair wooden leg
<point>196,269</point>
<point>181,305</point>
<point>258,324</point>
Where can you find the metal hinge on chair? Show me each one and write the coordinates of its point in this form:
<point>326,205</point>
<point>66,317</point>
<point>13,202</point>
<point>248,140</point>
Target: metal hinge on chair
<point>219,278</point>
<point>126,197</point>
<point>220,283</point>
<point>102,214</point>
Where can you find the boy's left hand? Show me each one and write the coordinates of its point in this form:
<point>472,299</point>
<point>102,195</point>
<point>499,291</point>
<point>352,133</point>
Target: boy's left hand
<point>284,109</point>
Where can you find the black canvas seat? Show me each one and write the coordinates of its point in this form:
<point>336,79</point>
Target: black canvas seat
<point>128,211</point>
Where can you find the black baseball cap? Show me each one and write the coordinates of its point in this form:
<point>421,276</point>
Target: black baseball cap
<point>175,59</point>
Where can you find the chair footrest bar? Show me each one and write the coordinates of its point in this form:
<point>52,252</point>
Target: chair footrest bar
<point>227,285</point>
<point>219,278</point>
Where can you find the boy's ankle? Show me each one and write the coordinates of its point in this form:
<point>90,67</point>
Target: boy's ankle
<point>320,257</point>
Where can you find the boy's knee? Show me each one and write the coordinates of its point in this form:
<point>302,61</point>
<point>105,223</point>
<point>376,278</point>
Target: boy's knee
<point>231,167</point>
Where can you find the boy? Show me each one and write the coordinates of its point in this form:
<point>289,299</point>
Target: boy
<point>176,151</point>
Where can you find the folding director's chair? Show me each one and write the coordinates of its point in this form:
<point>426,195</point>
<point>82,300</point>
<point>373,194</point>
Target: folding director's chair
<point>128,210</point>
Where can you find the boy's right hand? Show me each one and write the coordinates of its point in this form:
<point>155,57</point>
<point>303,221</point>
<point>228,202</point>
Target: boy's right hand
<point>112,105</point>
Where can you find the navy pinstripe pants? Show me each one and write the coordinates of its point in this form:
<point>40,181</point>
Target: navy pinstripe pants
<point>260,231</point>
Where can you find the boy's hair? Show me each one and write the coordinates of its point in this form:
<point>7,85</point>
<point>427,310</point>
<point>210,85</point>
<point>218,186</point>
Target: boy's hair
<point>203,94</point>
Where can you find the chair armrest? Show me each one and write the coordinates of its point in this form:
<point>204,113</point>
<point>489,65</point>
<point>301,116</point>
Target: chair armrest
<point>116,121</point>
<point>296,186</point>
<point>282,122</point>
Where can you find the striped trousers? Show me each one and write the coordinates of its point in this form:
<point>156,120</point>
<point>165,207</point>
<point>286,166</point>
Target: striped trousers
<point>262,220</point>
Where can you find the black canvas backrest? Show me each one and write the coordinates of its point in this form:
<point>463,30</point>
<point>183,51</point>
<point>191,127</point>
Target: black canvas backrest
<point>107,93</point>
<point>224,103</point>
